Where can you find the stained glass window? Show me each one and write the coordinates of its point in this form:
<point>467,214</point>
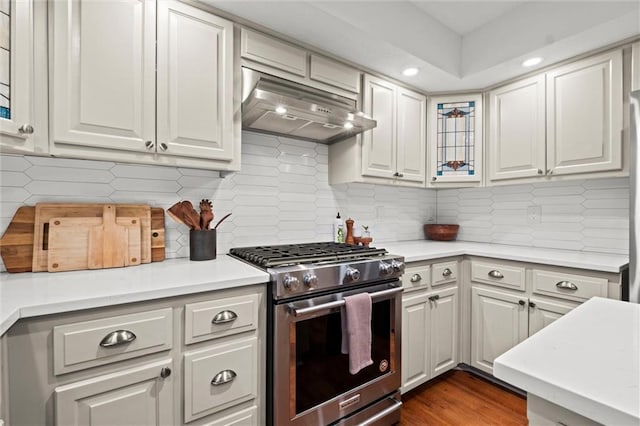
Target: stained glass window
<point>456,142</point>
<point>5,59</point>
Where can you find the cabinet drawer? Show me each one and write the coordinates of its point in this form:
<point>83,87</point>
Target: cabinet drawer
<point>498,274</point>
<point>416,277</point>
<point>568,286</point>
<point>217,318</point>
<point>444,273</point>
<point>335,74</point>
<point>92,343</point>
<point>233,366</point>
<point>248,417</point>
<point>272,52</point>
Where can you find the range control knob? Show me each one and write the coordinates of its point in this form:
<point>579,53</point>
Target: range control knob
<point>385,268</point>
<point>310,280</point>
<point>291,283</point>
<point>397,266</point>
<point>352,274</point>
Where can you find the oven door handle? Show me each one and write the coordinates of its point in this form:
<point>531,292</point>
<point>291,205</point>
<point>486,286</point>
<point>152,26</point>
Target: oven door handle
<point>298,312</point>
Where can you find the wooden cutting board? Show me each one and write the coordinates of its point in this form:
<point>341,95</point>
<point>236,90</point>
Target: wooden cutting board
<point>44,212</point>
<point>70,242</point>
<point>16,245</point>
<point>108,242</point>
<point>157,234</point>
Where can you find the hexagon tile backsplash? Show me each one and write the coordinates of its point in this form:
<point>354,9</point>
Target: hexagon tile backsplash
<point>283,195</point>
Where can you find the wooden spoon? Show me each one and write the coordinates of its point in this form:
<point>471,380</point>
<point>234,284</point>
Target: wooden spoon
<point>190,215</point>
<point>206,213</point>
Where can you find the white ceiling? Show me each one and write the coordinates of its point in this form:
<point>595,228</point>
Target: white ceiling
<point>457,45</point>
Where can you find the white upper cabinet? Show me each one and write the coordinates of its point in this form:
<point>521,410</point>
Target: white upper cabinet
<point>108,100</point>
<point>23,76</point>
<point>412,135</point>
<point>517,130</point>
<point>379,143</point>
<point>455,139</point>
<point>396,147</point>
<point>333,73</point>
<point>104,73</point>
<point>195,82</point>
<point>584,115</point>
<point>273,52</point>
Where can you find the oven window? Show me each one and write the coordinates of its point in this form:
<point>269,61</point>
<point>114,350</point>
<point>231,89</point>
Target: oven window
<point>322,371</point>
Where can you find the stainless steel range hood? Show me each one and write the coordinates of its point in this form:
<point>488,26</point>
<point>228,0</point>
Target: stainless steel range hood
<point>276,106</point>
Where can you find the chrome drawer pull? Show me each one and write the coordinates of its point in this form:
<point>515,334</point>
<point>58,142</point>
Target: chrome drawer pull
<point>567,285</point>
<point>224,316</point>
<point>225,376</point>
<point>447,272</point>
<point>496,274</point>
<point>415,278</point>
<point>116,338</point>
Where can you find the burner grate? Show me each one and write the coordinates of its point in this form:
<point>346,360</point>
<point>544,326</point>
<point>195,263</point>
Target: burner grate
<point>288,254</point>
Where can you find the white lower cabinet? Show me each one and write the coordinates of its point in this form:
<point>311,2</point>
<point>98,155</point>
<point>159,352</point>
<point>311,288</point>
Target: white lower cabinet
<point>544,312</point>
<point>499,322</point>
<point>139,364</point>
<point>429,334</point>
<point>136,396</point>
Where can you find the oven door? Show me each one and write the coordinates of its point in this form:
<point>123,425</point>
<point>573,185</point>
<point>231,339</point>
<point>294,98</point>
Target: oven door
<point>311,380</point>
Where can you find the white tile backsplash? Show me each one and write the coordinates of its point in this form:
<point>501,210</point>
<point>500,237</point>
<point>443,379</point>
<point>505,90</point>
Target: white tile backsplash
<point>282,194</point>
<point>588,215</point>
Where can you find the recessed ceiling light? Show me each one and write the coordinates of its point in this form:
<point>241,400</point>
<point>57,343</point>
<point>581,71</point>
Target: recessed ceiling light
<point>281,110</point>
<point>348,125</point>
<point>532,61</point>
<point>410,72</point>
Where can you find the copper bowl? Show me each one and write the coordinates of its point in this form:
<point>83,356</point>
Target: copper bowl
<point>441,232</point>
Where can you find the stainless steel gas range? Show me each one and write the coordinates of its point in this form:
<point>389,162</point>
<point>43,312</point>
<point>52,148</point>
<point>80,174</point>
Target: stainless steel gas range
<point>308,376</point>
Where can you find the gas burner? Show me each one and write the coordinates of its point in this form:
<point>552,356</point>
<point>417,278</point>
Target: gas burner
<point>296,254</point>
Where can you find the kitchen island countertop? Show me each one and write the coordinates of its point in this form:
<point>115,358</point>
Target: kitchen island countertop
<point>417,250</point>
<point>32,294</point>
<point>587,362</point>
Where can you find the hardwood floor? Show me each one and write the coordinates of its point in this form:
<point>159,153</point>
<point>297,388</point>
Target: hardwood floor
<point>460,398</point>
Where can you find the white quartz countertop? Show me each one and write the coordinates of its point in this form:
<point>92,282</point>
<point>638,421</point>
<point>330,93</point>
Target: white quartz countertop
<point>588,362</point>
<point>427,250</point>
<point>31,294</point>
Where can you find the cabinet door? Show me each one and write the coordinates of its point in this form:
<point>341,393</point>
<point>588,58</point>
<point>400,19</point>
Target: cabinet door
<point>544,312</point>
<point>195,83</point>
<point>499,322</point>
<point>412,136</point>
<point>455,138</point>
<point>517,131</point>
<point>379,143</point>
<point>635,66</point>
<point>16,71</point>
<point>137,396</point>
<point>415,358</point>
<point>443,331</point>
<point>584,115</point>
<point>334,73</point>
<point>103,73</point>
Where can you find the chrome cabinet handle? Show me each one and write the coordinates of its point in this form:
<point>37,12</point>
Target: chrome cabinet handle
<point>225,376</point>
<point>540,171</point>
<point>495,274</point>
<point>434,297</point>
<point>223,317</point>
<point>165,372</point>
<point>26,129</point>
<point>566,285</point>
<point>521,302</point>
<point>447,272</point>
<point>415,278</point>
<point>163,146</point>
<point>118,337</point>
<point>149,145</point>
